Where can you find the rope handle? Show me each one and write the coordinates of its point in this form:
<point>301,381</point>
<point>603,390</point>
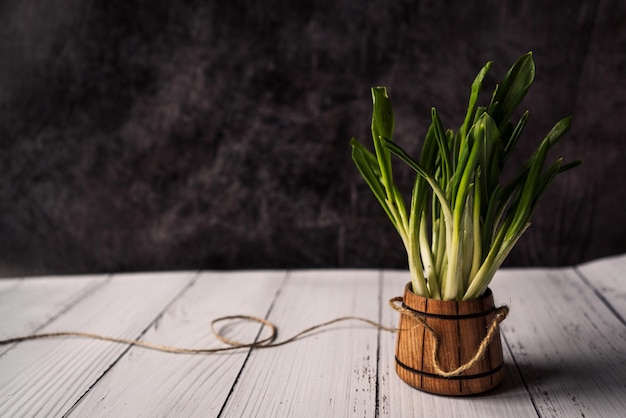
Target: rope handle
<point>501,314</point>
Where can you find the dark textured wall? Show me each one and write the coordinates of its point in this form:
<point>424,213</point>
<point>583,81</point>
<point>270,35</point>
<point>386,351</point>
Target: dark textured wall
<point>141,135</point>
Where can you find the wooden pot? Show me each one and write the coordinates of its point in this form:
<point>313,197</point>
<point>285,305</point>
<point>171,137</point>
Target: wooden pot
<point>461,327</point>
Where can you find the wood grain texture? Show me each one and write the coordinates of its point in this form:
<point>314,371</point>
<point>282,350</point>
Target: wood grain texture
<point>329,373</point>
<point>442,331</point>
<point>31,303</point>
<point>568,345</point>
<point>397,399</point>
<point>146,383</point>
<point>607,277</point>
<point>563,346</point>
<point>45,378</point>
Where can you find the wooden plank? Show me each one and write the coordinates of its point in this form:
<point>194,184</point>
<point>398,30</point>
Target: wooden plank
<point>569,346</point>
<point>607,277</point>
<point>31,303</point>
<point>150,383</point>
<point>34,301</point>
<point>397,399</point>
<point>331,373</point>
<point>46,377</point>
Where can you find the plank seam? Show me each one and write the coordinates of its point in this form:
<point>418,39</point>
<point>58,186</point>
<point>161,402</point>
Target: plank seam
<point>599,295</point>
<point>380,320</point>
<point>73,302</point>
<point>520,374</point>
<point>191,282</point>
<point>249,353</point>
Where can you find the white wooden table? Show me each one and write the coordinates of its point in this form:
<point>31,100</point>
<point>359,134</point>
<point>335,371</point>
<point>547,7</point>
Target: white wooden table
<point>564,345</point>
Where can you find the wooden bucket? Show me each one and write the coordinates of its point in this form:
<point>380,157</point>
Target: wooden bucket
<point>461,328</point>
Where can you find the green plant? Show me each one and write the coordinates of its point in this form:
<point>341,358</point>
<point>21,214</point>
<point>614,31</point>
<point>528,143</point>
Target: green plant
<point>462,220</point>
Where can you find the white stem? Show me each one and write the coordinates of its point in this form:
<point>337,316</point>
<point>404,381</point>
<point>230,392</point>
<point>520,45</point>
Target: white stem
<point>427,259</point>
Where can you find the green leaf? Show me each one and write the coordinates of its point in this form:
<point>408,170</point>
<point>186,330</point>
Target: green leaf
<point>475,90</point>
<point>544,181</point>
<point>489,152</point>
<point>509,144</point>
<point>479,112</point>
<point>428,156</point>
<point>512,89</point>
<point>382,117</point>
<point>363,160</point>
<point>569,166</point>
<point>404,156</point>
<point>462,162</point>
<point>382,127</point>
<point>489,225</point>
<point>444,204</point>
<point>482,132</point>
<point>442,142</point>
<point>558,131</point>
<point>523,211</point>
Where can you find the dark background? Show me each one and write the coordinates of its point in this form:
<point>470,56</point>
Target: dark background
<point>143,135</point>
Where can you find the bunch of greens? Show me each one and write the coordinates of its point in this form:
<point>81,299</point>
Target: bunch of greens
<point>462,221</point>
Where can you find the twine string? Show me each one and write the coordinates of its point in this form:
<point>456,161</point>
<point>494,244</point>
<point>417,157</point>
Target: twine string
<point>269,341</point>
<point>501,313</point>
<point>231,345</point>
